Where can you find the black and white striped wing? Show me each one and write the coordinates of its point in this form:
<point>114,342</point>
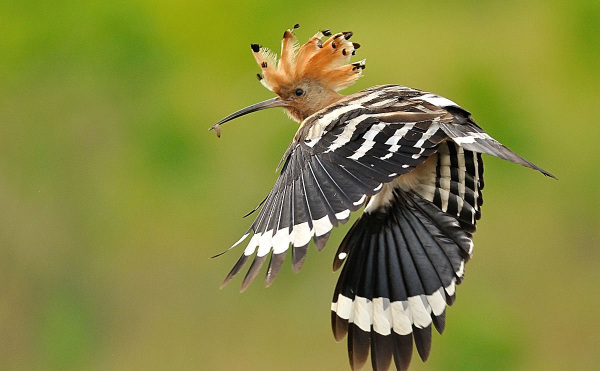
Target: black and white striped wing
<point>340,156</point>
<point>468,135</point>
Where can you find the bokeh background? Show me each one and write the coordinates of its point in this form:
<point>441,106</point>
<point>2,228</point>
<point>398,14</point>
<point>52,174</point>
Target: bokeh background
<point>113,194</point>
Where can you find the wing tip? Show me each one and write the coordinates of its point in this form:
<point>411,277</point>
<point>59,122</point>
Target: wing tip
<point>274,267</point>
<point>235,270</point>
<point>298,257</point>
<point>547,174</point>
<point>253,271</point>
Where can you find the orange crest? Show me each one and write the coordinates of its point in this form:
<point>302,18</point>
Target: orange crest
<point>326,62</point>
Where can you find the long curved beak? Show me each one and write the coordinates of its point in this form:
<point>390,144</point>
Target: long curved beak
<point>269,103</point>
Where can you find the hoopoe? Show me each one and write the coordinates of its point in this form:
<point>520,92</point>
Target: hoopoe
<point>412,158</point>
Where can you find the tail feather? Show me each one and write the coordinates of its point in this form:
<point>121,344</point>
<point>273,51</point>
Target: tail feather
<point>434,259</point>
<point>358,347</point>
<point>423,341</point>
<point>341,254</point>
<point>363,308</point>
<point>440,322</point>
<point>402,351</point>
<point>399,274</point>
<point>382,349</point>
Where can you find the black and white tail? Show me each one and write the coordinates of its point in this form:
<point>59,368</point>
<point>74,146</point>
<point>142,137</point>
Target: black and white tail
<point>404,257</point>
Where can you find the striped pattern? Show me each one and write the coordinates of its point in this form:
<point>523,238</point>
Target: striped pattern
<point>414,159</point>
<point>339,157</point>
<point>454,184</point>
<point>401,272</point>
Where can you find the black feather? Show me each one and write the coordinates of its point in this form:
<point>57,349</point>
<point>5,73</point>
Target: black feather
<point>382,348</point>
<point>358,347</point>
<point>439,322</point>
<point>353,238</point>
<point>423,341</point>
<point>414,231</point>
<point>274,267</point>
<point>253,271</point>
<point>321,240</point>
<point>402,351</point>
<point>367,280</point>
<point>236,269</point>
<point>298,257</point>
<point>349,277</point>
<point>382,345</point>
<point>336,196</point>
<point>397,287</point>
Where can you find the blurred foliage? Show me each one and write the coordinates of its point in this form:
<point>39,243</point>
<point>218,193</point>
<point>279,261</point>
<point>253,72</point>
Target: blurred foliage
<point>114,195</point>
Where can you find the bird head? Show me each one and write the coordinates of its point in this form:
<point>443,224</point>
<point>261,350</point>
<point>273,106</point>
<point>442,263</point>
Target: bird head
<point>306,78</point>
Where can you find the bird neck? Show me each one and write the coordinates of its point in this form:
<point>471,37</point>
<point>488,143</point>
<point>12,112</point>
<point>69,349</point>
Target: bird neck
<point>313,105</point>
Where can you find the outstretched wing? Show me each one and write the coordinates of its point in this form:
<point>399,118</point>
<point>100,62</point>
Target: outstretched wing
<point>345,153</point>
<point>339,157</point>
<point>467,134</point>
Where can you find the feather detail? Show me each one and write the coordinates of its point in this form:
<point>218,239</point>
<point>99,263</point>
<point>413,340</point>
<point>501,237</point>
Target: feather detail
<point>326,62</point>
<point>289,46</point>
<point>308,50</point>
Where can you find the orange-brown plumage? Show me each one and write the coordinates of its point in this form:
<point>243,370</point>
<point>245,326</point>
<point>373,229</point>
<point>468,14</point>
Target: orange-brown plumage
<point>318,68</point>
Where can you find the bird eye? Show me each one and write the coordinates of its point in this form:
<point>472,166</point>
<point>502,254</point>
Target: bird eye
<point>299,92</point>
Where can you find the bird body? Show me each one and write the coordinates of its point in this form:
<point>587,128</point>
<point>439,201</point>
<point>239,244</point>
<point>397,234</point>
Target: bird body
<point>411,158</point>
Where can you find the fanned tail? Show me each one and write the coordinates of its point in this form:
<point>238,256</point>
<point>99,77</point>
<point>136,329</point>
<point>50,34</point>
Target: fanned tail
<point>402,263</point>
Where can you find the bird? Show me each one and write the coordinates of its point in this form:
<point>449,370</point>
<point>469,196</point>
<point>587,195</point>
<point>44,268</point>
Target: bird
<point>412,160</point>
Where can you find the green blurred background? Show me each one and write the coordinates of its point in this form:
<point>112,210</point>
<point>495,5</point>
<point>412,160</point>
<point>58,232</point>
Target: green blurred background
<point>114,195</point>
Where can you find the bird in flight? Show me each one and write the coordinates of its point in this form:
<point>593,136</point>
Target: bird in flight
<point>411,158</point>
